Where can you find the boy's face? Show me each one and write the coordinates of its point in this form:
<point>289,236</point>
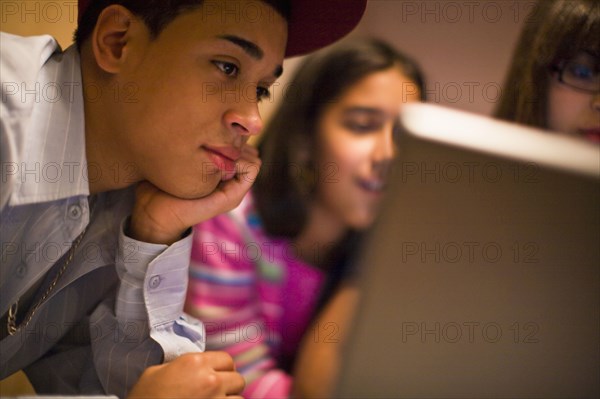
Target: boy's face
<point>194,93</point>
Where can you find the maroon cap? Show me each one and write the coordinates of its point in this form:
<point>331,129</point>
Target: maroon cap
<point>317,23</point>
<point>312,23</point>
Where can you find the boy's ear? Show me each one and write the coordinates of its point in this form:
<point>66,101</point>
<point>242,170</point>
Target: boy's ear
<point>111,36</point>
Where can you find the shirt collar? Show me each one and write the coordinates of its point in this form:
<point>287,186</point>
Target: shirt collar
<point>53,164</point>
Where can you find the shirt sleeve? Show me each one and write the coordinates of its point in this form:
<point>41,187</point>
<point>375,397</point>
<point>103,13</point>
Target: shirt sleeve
<point>8,155</point>
<point>225,293</point>
<point>145,324</point>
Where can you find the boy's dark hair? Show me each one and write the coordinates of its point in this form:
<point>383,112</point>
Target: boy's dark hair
<point>156,14</point>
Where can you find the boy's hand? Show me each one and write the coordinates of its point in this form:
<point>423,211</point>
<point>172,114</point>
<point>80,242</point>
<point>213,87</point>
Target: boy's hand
<point>193,375</point>
<point>161,218</point>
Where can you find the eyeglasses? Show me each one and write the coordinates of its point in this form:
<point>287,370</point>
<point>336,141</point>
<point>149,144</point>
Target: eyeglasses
<point>579,75</point>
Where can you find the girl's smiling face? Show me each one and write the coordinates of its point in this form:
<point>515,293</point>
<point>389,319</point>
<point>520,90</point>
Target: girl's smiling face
<point>356,145</point>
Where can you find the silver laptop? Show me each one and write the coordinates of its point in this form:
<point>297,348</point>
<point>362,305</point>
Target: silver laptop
<point>482,276</point>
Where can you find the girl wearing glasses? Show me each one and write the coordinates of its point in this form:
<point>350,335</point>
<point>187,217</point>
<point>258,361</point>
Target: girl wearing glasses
<point>554,80</point>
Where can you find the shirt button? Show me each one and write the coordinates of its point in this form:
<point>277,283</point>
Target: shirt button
<point>21,270</point>
<point>74,212</point>
<point>154,281</point>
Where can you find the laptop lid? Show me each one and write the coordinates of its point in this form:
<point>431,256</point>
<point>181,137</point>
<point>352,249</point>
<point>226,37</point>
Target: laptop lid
<point>481,277</point>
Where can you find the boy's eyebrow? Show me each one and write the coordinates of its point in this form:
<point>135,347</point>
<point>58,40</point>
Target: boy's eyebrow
<point>251,49</point>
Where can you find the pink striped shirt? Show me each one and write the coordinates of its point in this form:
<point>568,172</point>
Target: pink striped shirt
<point>254,295</point>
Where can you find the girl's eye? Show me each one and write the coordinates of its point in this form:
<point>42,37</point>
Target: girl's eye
<point>360,126</point>
<point>227,68</point>
<point>261,93</point>
<point>580,71</point>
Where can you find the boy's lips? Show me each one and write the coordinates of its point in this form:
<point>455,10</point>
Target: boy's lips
<point>224,158</point>
<point>231,153</point>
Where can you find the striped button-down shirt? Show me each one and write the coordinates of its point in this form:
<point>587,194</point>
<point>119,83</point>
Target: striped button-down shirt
<point>117,308</point>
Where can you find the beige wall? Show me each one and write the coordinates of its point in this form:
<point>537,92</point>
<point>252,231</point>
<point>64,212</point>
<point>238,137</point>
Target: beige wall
<point>37,17</point>
<point>464,46</point>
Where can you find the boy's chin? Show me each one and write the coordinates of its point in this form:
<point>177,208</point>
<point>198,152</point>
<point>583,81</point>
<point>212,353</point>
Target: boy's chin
<point>188,193</point>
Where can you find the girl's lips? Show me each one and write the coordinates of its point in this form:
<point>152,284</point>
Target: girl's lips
<point>591,134</point>
<point>374,186</point>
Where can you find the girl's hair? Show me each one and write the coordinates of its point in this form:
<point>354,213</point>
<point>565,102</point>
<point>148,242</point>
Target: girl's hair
<point>284,186</point>
<point>556,31</point>
<point>155,13</point>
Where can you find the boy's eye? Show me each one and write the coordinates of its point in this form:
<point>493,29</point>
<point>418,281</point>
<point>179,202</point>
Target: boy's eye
<point>262,92</point>
<point>227,68</point>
